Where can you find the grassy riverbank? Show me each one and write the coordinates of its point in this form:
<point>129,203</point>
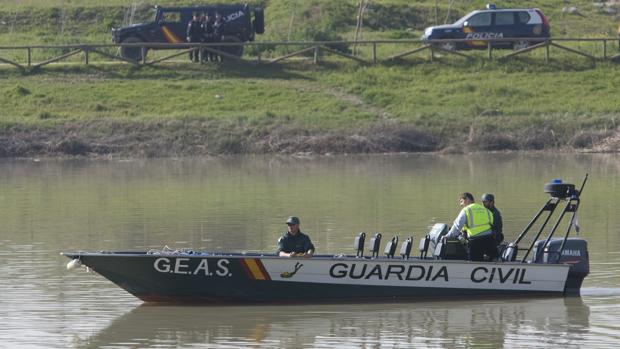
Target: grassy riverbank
<point>342,107</point>
<point>339,106</point>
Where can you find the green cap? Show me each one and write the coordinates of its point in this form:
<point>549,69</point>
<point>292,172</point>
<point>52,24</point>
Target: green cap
<point>292,220</point>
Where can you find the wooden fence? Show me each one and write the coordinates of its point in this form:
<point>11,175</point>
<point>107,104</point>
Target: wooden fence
<point>366,52</point>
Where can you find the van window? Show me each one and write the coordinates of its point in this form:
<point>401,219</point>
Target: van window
<point>523,16</point>
<point>504,18</point>
<point>480,20</point>
<point>171,16</point>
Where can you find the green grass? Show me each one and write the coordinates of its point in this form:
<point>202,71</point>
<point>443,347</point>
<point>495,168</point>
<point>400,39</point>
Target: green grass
<point>424,91</point>
<point>504,95</point>
<point>120,92</point>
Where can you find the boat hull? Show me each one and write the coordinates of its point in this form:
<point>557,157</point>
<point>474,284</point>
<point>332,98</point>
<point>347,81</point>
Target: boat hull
<point>235,278</point>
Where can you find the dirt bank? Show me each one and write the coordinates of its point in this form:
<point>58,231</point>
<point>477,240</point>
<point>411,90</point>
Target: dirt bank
<point>170,138</point>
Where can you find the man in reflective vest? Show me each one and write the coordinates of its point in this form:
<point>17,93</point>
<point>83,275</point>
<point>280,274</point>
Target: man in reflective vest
<point>474,224</point>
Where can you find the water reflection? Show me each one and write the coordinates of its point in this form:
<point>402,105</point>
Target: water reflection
<point>487,323</point>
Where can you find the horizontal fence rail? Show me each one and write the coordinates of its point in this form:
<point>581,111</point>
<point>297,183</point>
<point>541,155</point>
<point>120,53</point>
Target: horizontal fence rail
<point>365,52</point>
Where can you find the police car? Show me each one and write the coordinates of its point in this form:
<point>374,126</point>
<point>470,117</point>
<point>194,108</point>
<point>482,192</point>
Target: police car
<point>492,23</point>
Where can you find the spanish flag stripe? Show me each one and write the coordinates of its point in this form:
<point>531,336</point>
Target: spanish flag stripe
<point>247,270</point>
<point>262,269</point>
<point>170,37</point>
<point>255,269</point>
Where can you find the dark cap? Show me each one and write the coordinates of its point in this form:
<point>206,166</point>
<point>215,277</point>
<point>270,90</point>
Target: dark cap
<point>487,197</point>
<point>292,220</point>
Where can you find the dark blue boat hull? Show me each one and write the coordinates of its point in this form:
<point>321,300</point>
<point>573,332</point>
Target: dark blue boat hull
<point>218,279</point>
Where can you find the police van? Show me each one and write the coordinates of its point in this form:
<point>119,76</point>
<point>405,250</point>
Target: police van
<point>531,25</point>
<point>170,25</point>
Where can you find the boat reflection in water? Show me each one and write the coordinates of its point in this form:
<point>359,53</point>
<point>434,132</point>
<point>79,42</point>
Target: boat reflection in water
<point>487,323</point>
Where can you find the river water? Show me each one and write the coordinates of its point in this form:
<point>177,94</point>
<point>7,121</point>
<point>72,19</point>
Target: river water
<point>240,204</point>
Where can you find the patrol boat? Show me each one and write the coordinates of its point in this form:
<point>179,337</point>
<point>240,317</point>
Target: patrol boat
<point>552,266</point>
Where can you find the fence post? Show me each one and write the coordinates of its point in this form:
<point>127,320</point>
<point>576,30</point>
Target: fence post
<point>316,54</point>
<point>86,50</point>
<point>374,53</point>
<point>431,53</point>
<point>547,51</point>
<point>143,51</point>
<point>604,48</point>
<point>29,57</point>
<point>490,50</point>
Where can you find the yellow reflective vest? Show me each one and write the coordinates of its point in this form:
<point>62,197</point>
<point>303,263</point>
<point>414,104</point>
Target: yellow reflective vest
<point>479,219</point>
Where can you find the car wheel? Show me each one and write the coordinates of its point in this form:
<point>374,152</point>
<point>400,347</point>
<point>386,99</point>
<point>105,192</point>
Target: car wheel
<point>447,46</point>
<point>232,50</point>
<point>520,45</point>
<point>132,53</point>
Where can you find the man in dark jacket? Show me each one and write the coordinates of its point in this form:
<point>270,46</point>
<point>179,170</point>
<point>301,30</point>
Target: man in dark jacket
<point>194,34</point>
<point>218,31</point>
<point>294,243</point>
<point>208,36</point>
<point>488,200</point>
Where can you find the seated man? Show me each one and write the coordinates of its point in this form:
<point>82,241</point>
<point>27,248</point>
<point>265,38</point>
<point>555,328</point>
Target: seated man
<point>488,200</point>
<point>294,243</point>
<point>474,222</point>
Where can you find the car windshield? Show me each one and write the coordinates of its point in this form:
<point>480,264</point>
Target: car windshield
<point>464,18</point>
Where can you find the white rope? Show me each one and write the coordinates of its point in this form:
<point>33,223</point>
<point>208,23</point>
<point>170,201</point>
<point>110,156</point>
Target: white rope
<point>171,251</point>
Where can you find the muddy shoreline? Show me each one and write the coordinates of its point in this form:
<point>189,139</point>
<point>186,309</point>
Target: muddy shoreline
<point>179,138</point>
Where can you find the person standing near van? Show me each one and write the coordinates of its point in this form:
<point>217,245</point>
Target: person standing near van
<point>208,36</point>
<point>194,34</point>
<point>218,32</point>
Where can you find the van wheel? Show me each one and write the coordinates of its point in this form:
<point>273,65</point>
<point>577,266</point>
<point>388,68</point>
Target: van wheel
<point>520,45</point>
<point>132,53</point>
<point>232,50</point>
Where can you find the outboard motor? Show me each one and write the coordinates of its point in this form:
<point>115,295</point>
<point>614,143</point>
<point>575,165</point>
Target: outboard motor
<point>575,253</point>
<point>572,251</point>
